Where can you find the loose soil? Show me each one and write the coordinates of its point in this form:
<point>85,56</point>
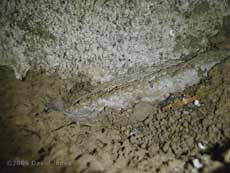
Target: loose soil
<point>142,139</point>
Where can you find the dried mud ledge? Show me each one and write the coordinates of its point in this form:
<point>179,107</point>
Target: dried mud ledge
<point>137,137</point>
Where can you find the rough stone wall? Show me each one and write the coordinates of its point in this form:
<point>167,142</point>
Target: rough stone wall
<point>105,39</point>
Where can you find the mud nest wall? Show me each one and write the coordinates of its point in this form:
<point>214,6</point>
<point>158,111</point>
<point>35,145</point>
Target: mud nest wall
<point>105,39</point>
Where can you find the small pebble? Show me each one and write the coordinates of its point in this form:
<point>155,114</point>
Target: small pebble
<point>46,109</point>
<point>197,164</point>
<point>134,131</point>
<point>171,33</point>
<point>197,103</point>
<point>202,146</point>
<point>185,112</point>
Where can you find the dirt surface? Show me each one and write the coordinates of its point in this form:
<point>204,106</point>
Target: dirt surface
<point>186,139</point>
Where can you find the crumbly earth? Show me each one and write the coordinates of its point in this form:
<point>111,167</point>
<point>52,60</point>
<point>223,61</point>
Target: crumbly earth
<point>141,139</point>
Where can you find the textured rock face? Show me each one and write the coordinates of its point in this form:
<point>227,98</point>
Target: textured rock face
<point>105,39</point>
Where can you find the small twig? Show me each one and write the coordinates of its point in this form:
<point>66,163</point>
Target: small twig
<point>31,131</point>
<point>66,125</point>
